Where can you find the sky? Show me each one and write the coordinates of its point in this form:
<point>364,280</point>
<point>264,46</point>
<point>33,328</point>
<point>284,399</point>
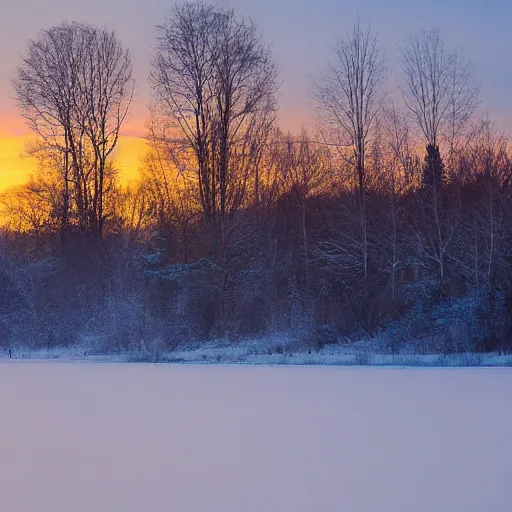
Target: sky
<point>301,33</point>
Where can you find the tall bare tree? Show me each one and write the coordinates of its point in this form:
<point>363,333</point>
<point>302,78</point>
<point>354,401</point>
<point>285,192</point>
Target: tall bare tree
<point>442,95</point>
<point>215,81</point>
<point>440,90</point>
<point>44,86</point>
<point>74,88</point>
<point>105,91</point>
<point>349,95</point>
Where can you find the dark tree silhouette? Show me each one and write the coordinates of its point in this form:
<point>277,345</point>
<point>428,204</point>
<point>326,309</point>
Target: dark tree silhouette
<point>434,172</point>
<point>74,88</point>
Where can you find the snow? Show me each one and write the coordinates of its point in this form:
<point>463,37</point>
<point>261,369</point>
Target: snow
<point>141,437</point>
<point>273,350</point>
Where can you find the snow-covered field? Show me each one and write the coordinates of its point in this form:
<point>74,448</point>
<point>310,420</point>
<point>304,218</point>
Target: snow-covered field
<point>179,438</point>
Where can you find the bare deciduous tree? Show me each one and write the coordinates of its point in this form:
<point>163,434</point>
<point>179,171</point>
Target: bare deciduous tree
<point>216,81</point>
<point>349,92</point>
<point>74,88</point>
<point>349,95</point>
<point>105,89</point>
<point>442,95</point>
<point>440,90</point>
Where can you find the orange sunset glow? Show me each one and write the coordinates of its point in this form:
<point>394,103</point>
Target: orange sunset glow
<point>16,165</point>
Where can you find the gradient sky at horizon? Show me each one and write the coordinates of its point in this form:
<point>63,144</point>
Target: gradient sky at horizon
<point>300,31</point>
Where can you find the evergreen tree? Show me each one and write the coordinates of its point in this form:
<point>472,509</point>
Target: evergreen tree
<point>434,172</point>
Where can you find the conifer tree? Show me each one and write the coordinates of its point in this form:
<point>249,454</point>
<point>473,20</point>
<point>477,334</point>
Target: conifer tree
<point>434,172</point>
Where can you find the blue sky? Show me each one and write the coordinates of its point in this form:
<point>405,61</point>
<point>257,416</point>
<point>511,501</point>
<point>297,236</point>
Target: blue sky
<point>300,32</point>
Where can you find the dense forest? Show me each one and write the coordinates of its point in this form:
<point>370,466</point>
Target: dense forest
<point>389,220</point>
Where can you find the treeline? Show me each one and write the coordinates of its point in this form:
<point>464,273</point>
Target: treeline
<point>387,221</point>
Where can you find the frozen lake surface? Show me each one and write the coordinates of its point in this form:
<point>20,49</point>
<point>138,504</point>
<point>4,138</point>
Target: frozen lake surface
<point>144,438</point>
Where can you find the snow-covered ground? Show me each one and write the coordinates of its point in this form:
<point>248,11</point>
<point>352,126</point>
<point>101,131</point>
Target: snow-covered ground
<point>132,438</point>
<point>273,349</point>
